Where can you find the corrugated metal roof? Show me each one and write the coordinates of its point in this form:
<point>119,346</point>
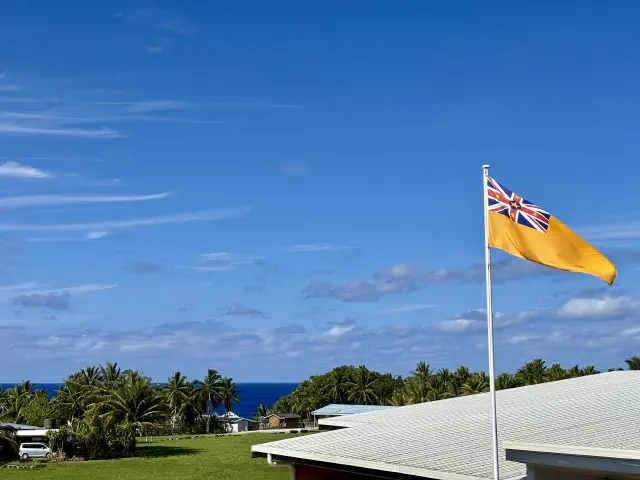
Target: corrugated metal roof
<point>233,418</point>
<point>17,426</point>
<point>338,409</point>
<point>452,438</point>
<point>284,415</point>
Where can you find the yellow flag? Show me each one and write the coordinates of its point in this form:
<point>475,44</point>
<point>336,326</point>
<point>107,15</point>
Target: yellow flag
<point>524,230</point>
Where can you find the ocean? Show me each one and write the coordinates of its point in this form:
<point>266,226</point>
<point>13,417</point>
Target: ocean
<point>251,394</point>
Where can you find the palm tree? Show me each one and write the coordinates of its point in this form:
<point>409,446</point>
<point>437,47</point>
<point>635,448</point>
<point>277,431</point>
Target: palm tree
<point>15,400</point>
<point>89,376</point>
<point>208,391</point>
<point>228,393</point>
<point>283,405</point>
<point>137,401</point>
<point>440,387</point>
<point>362,387</point>
<point>418,389</point>
<point>633,363</point>
<point>476,384</point>
<point>506,380</point>
<point>555,373</point>
<point>462,372</point>
<point>190,409</point>
<point>418,386</point>
<point>71,401</point>
<point>533,372</point>
<point>574,371</point>
<point>111,374</point>
<point>337,385</point>
<point>399,398</point>
<point>422,370</point>
<point>261,411</point>
<point>590,370</point>
<point>25,387</point>
<point>177,393</point>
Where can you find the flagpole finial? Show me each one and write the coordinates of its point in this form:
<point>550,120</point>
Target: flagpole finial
<point>486,166</point>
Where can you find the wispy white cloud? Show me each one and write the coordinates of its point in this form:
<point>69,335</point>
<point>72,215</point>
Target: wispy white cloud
<point>251,105</point>
<point>209,268</point>
<point>222,262</point>
<point>338,331</point>
<point>62,132</point>
<point>140,222</point>
<point>21,287</point>
<point>599,307</point>
<point>456,325</point>
<point>56,299</point>
<point>135,106</point>
<point>320,247</point>
<point>51,116</point>
<point>239,309</point>
<point>227,258</point>
<point>78,289</point>
<point>85,238</point>
<point>14,169</point>
<point>155,49</point>
<point>175,26</point>
<point>630,332</point>
<point>406,308</point>
<point>54,158</point>
<point>26,201</point>
<point>518,339</point>
<point>113,118</point>
<point>31,294</point>
<point>168,25</point>
<point>5,87</point>
<point>612,231</point>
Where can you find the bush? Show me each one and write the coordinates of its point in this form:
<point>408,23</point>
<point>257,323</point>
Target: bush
<point>84,440</point>
<point>8,447</point>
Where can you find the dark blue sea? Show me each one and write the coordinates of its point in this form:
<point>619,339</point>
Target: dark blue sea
<point>251,394</point>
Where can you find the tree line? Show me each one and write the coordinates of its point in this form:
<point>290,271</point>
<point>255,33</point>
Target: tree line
<point>361,386</point>
<point>96,403</point>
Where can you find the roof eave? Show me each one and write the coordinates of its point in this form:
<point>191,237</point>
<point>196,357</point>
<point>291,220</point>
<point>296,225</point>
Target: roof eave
<point>353,465</point>
<point>605,460</point>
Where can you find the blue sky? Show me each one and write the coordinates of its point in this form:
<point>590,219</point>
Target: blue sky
<point>275,188</point>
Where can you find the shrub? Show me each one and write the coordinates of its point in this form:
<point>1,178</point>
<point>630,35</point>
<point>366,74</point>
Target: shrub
<point>8,447</point>
<point>93,442</point>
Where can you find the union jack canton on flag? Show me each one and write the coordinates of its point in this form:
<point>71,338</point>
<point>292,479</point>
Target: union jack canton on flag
<point>505,202</point>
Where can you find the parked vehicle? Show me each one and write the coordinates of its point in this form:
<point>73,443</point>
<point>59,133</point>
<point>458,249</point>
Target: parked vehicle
<point>34,450</point>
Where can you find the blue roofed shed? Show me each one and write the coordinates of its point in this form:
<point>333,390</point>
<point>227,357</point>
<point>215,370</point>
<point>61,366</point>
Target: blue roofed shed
<point>336,410</point>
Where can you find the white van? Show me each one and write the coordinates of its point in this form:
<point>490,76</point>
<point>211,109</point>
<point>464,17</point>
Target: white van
<point>34,450</point>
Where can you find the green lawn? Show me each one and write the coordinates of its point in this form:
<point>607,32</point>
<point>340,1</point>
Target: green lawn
<point>212,457</point>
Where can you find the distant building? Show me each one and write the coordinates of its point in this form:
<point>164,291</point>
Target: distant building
<point>337,410</point>
<point>584,428</point>
<point>238,424</point>
<point>26,433</point>
<point>283,420</point>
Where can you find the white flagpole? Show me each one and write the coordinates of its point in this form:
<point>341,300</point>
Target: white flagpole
<point>492,375</point>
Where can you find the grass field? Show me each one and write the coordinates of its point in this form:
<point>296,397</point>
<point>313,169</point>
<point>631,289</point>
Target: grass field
<point>212,457</point>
